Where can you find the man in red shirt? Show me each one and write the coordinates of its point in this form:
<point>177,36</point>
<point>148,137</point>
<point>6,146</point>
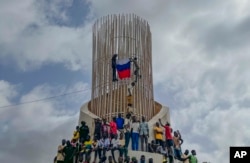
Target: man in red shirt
<point>168,136</point>
<point>113,128</point>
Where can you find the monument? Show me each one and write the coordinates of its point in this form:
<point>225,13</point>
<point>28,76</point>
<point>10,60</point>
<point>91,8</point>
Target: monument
<point>119,39</point>
<point>128,37</point>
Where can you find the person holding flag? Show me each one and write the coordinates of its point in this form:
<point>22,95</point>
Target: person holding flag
<point>114,57</point>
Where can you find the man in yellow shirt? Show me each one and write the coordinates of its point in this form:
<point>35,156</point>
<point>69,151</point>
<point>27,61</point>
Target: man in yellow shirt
<point>158,134</point>
<point>76,134</point>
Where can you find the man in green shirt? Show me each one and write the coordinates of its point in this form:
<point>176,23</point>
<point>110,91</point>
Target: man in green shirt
<point>193,158</point>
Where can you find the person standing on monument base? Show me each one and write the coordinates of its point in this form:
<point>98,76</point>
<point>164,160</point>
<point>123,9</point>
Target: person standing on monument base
<point>168,136</point>
<point>84,131</point>
<point>144,133</point>
<point>113,128</point>
<point>158,134</point>
<point>98,126</point>
<point>177,145</point>
<point>76,134</point>
<point>105,128</point>
<point>135,133</point>
<point>69,152</point>
<point>120,122</point>
<point>127,127</point>
<point>193,158</point>
<point>60,154</point>
<point>185,156</point>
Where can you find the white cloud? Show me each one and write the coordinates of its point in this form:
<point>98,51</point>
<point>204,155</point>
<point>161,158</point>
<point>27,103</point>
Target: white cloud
<point>7,92</point>
<point>31,41</point>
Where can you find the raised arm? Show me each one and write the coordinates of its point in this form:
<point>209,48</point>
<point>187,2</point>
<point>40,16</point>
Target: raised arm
<point>161,123</point>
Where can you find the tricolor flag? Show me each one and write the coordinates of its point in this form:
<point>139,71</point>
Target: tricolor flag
<point>123,68</point>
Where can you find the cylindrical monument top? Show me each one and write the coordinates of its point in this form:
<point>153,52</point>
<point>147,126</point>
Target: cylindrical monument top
<point>129,37</point>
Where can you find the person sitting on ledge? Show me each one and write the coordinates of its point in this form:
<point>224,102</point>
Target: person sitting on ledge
<point>152,146</point>
<point>114,146</point>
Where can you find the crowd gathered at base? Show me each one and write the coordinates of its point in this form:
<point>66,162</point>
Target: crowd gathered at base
<point>116,135</point>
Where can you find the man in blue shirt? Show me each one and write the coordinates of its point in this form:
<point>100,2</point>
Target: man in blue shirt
<point>120,122</point>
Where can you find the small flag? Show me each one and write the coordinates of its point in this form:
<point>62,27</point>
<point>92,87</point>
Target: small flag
<point>123,68</point>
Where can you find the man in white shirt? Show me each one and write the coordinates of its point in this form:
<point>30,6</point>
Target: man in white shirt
<point>103,145</point>
<point>114,146</point>
<point>144,133</point>
<point>127,127</point>
<point>135,133</point>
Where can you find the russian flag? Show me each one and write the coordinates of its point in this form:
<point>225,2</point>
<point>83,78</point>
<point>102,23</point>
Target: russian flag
<point>123,68</point>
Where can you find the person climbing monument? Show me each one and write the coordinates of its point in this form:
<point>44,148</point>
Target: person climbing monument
<point>114,57</point>
<point>130,88</point>
<point>137,68</point>
<point>129,93</point>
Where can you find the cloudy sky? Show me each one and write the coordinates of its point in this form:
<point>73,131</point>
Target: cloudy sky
<point>200,62</point>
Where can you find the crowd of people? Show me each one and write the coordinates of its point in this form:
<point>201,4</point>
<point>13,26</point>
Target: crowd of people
<point>116,136</point>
